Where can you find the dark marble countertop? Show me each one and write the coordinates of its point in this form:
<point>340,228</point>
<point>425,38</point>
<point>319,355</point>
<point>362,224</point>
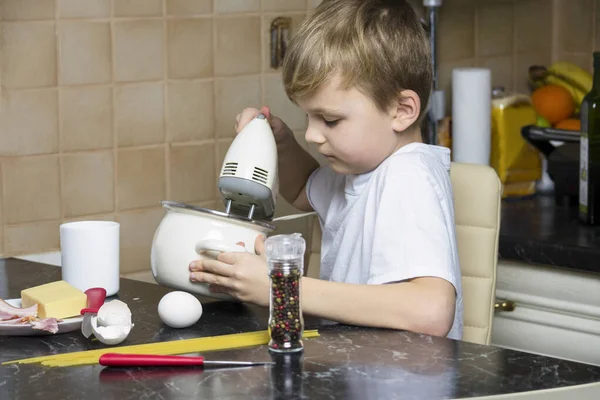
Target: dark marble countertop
<point>536,230</point>
<point>343,362</point>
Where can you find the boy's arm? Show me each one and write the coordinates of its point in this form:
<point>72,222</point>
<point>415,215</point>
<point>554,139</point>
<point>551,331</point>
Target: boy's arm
<point>295,166</point>
<point>425,305</point>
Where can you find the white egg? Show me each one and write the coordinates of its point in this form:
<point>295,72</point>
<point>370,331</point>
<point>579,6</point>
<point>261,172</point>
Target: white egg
<point>179,309</point>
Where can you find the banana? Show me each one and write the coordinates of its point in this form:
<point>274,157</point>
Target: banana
<point>572,74</point>
<point>576,92</point>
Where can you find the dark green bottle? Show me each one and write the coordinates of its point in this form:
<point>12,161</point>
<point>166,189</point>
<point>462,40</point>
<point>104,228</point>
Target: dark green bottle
<point>589,152</point>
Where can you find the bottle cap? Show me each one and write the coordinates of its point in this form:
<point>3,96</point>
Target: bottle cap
<point>285,247</point>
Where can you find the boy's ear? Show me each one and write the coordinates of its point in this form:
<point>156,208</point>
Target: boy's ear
<point>406,110</point>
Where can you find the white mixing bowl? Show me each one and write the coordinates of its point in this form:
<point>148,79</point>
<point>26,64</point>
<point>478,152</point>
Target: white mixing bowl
<point>187,233</point>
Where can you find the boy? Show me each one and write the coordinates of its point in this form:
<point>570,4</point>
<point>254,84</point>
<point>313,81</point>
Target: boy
<point>361,70</point>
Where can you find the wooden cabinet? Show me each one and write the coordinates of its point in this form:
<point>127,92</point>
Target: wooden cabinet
<point>557,311</point>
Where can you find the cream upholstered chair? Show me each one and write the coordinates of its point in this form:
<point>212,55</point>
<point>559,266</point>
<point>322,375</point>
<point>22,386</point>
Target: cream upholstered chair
<point>477,196</point>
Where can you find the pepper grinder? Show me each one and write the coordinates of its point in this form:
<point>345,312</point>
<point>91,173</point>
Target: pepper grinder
<point>285,259</point>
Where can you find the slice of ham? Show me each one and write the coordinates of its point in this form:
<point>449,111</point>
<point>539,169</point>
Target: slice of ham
<point>46,324</point>
<point>9,312</point>
<point>17,321</point>
<point>11,316</point>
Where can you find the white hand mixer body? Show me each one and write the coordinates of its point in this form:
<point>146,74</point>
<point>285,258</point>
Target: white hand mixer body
<point>248,181</point>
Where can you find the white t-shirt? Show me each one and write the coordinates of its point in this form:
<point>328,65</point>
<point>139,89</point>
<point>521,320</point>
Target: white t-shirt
<point>391,224</point>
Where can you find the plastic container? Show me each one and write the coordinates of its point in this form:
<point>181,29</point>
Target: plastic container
<point>285,258</point>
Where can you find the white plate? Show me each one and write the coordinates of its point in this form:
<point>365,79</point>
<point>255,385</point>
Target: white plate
<point>67,325</point>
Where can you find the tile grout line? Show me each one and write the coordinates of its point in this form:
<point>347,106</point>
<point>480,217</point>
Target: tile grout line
<point>515,56</point>
<point>216,149</point>
<point>166,113</point>
<point>115,135</point>
<point>59,125</point>
<point>594,31</point>
<point>476,13</point>
<point>3,240</point>
<point>556,31</point>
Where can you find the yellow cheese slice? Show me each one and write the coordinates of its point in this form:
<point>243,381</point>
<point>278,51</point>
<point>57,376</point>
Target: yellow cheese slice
<point>56,299</point>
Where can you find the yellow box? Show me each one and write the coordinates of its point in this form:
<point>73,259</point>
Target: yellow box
<point>56,299</point>
<point>517,163</point>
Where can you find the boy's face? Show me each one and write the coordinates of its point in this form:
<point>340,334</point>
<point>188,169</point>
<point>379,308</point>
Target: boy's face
<point>348,129</point>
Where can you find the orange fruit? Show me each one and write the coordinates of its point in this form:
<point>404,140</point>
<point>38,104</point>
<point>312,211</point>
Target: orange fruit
<point>569,124</point>
<point>553,102</point>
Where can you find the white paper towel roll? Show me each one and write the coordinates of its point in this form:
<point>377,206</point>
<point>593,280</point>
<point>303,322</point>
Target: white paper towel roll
<point>471,115</point>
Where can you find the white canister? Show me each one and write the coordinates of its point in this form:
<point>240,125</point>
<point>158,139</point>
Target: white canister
<point>90,254</point>
<point>471,115</point>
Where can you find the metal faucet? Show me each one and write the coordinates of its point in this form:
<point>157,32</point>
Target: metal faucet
<point>436,108</point>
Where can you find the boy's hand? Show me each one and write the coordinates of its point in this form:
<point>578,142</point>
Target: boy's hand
<point>280,130</point>
<point>241,275</point>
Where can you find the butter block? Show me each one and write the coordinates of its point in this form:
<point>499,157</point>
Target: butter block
<point>56,299</point>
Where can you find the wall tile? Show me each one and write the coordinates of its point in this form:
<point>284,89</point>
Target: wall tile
<point>281,106</point>
<point>597,25</point>
<point>86,118</point>
<point>533,26</point>
<point>95,217</point>
<point>84,54</point>
<point>1,220</point>
<point>238,48</point>
<point>576,22</point>
<point>28,55</point>
<point>140,177</point>
<point>32,238</point>
<point>84,9</point>
<point>524,61</point>
<point>138,8</point>
<point>453,3</point>
<point>20,133</point>
<point>458,40</point>
<point>190,48</point>
<point>88,183</point>
<point>139,54</point>
<point>21,10</point>
<point>137,232</point>
<point>495,29</point>
<point>236,6</point>
<point>502,70</point>
<point>284,5</point>
<point>189,7</point>
<point>139,114</point>
<point>584,60</point>
<point>266,37</point>
<point>192,173</point>
<point>191,114</point>
<point>39,200</point>
<point>232,96</point>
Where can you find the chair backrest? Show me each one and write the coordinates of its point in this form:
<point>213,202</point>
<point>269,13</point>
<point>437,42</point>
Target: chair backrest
<point>477,202</point>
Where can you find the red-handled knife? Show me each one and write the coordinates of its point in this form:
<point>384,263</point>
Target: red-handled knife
<point>151,360</point>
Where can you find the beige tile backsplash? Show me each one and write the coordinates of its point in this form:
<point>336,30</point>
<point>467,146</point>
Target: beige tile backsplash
<point>139,113</point>
<point>108,107</point>
<point>84,52</point>
<point>28,54</point>
<point>86,118</point>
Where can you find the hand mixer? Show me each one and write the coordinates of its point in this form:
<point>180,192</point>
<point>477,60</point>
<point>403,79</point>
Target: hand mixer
<point>248,181</point>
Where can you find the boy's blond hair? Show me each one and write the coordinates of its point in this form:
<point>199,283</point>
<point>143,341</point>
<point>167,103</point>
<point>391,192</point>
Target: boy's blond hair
<point>377,46</point>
